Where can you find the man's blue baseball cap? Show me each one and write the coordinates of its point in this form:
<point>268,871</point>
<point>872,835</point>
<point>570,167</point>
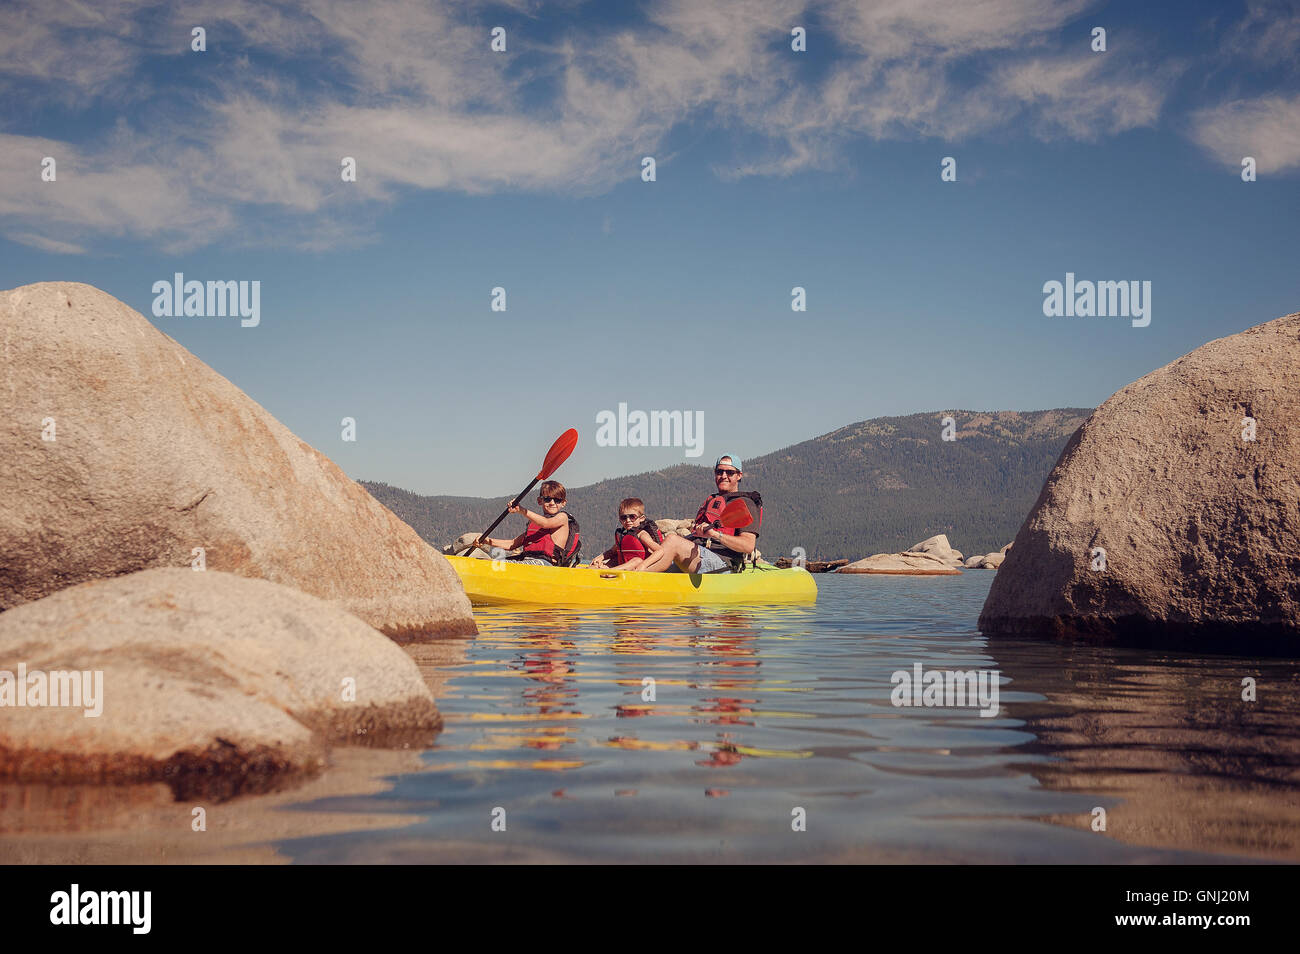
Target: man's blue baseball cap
<point>735,461</point>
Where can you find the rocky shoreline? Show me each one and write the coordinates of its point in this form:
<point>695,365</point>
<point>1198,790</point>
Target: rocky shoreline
<point>226,586</point>
<point>934,556</point>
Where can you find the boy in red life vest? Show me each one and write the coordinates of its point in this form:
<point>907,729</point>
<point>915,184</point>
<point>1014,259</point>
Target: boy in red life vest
<point>635,539</point>
<point>552,535</point>
<point>711,549</point>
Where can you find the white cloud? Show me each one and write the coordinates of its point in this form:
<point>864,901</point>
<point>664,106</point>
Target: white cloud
<point>924,29</point>
<point>1265,125</point>
<point>411,90</point>
<point>1268,34</point>
<point>1076,98</point>
<point>45,244</point>
<point>1267,128</point>
<point>70,48</point>
<point>104,193</point>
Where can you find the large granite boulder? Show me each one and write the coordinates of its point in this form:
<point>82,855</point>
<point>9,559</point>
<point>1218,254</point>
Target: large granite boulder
<point>199,679</point>
<point>155,457</point>
<point>1173,515</point>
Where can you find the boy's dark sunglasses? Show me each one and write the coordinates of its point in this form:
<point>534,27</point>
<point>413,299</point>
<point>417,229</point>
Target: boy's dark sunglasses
<point>552,500</point>
<point>630,516</point>
<point>722,472</point>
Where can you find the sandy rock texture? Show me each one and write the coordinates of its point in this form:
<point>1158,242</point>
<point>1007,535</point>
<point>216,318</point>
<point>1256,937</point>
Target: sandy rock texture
<point>123,451</point>
<point>203,678</point>
<point>1173,515</point>
<point>901,564</point>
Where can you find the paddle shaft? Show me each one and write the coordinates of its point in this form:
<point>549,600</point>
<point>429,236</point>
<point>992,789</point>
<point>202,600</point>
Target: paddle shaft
<point>557,455</point>
<point>505,513</point>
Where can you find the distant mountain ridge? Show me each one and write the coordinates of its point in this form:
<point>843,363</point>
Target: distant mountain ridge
<point>876,486</point>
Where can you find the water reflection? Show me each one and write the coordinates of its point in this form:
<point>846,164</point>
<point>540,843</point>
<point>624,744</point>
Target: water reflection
<point>756,711</point>
<point>548,660</point>
<point>723,646</point>
<point>765,708</point>
<point>1168,741</point>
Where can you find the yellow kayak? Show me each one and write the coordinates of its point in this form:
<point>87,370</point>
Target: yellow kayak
<point>489,583</point>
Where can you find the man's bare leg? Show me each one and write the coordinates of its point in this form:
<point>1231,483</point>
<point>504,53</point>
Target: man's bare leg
<point>675,549</point>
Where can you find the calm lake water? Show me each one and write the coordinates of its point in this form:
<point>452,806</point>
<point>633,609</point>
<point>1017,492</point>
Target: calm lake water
<point>760,715</point>
<point>760,712</point>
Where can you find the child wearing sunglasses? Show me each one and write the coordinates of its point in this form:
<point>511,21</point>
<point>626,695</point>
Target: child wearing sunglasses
<point>552,535</point>
<point>635,538</point>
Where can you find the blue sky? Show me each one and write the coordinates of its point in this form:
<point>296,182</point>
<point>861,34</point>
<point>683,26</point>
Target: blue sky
<point>774,169</point>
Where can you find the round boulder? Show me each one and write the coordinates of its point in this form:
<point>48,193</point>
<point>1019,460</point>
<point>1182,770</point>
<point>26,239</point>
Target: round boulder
<point>196,678</point>
<point>125,452</point>
<point>1172,517</point>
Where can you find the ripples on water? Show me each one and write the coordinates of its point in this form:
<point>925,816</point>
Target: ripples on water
<point>758,711</point>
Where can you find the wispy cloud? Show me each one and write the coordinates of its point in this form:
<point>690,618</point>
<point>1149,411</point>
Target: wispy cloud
<point>410,89</point>
<point>1266,125</point>
<point>104,192</point>
<point>70,48</point>
<point>45,244</point>
<point>1267,128</point>
<point>1078,97</point>
<point>1268,34</point>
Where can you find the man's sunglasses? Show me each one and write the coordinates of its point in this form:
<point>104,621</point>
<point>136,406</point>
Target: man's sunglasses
<point>552,499</point>
<point>630,516</point>
<point>722,472</point>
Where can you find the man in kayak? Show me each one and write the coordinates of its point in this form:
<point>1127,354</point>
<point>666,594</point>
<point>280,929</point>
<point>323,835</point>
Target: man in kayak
<point>552,536</point>
<point>709,549</point>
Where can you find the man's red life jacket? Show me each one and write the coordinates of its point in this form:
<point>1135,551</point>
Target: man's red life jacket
<point>716,503</point>
<point>628,542</point>
<point>540,543</point>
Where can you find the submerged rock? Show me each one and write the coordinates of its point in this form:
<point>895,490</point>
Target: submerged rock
<point>1173,515</point>
<point>812,566</point>
<point>123,451</point>
<point>199,679</point>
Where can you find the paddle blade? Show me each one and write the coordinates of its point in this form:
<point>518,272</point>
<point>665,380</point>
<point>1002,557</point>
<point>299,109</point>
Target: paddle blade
<point>734,516</point>
<point>558,453</point>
